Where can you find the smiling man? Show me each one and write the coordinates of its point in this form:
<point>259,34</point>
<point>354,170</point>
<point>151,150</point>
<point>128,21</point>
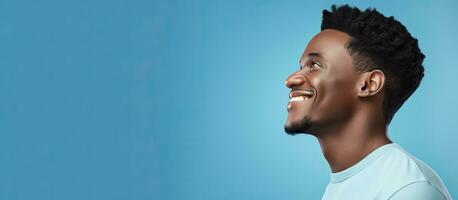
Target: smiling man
<point>354,75</point>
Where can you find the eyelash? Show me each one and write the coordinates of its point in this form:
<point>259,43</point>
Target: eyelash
<point>312,64</point>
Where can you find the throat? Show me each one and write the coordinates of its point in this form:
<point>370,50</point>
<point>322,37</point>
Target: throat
<point>343,155</point>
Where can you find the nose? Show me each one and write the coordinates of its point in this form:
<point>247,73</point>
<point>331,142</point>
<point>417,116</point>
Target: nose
<point>295,80</point>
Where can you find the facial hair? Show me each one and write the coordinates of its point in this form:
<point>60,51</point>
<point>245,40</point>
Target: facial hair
<point>301,127</point>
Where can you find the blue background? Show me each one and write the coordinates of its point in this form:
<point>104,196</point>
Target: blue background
<point>186,99</point>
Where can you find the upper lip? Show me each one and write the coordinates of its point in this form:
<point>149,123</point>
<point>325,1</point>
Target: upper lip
<point>307,93</point>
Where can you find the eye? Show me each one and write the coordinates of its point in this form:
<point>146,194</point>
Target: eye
<point>314,66</point>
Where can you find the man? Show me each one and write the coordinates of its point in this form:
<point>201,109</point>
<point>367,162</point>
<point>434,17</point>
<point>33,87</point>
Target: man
<point>354,75</point>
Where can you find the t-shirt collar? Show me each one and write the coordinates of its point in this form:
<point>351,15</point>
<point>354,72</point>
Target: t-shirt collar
<point>366,161</point>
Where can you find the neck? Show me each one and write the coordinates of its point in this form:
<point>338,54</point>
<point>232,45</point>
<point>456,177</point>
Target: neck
<point>345,145</point>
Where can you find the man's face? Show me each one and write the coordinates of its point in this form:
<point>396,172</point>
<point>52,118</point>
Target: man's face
<point>323,91</point>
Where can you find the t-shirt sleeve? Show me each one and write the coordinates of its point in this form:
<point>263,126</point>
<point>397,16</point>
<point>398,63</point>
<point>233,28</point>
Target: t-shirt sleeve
<point>419,191</point>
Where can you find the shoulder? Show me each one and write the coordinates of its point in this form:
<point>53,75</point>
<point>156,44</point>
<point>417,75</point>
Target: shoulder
<point>399,167</point>
<point>421,190</point>
<point>404,174</point>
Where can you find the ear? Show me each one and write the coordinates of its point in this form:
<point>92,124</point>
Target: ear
<point>371,83</point>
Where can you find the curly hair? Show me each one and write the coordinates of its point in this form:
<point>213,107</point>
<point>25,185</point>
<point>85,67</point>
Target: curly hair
<point>383,43</point>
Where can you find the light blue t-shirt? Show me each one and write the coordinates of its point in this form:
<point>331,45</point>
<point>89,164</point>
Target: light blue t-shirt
<point>387,173</point>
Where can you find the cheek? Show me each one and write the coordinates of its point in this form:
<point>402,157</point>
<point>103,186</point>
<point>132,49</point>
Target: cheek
<point>327,83</point>
<point>335,93</point>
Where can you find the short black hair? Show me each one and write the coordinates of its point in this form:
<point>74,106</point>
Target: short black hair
<point>379,42</point>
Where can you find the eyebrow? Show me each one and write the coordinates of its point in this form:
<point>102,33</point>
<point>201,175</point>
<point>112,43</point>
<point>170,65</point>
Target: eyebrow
<point>313,54</point>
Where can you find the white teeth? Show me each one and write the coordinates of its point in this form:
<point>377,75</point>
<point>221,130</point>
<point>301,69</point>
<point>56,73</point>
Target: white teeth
<point>298,98</point>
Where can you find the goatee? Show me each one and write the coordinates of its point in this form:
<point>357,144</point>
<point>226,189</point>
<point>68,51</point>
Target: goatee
<point>300,127</point>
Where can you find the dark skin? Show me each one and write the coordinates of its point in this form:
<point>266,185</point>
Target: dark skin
<point>342,107</point>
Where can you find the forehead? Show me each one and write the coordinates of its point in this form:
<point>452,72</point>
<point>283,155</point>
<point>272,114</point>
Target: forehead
<point>330,44</point>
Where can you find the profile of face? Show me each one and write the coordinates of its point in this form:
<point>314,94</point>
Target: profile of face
<point>324,89</point>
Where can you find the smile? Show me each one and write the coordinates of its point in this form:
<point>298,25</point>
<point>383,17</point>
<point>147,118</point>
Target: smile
<point>300,95</point>
<point>298,98</point>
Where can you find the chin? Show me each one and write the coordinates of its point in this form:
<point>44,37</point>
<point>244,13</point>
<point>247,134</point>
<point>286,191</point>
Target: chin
<point>299,127</point>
